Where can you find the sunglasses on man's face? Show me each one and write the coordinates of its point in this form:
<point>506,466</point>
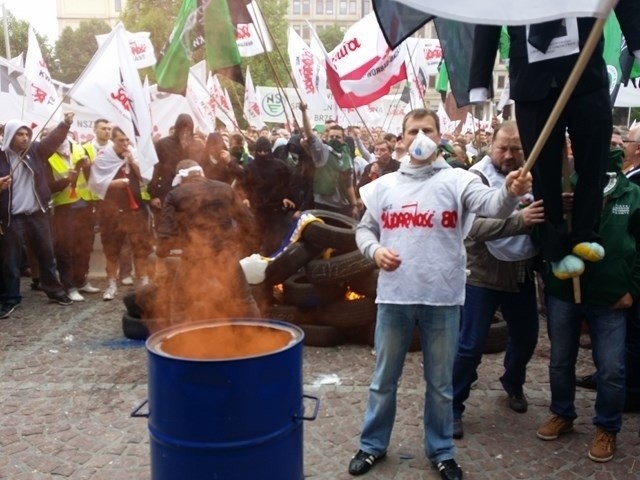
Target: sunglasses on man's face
<point>263,151</point>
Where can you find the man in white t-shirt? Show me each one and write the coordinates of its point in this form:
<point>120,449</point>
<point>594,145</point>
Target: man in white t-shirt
<point>413,228</point>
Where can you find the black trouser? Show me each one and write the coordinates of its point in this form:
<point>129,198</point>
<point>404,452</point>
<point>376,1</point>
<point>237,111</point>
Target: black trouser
<point>73,235</point>
<point>588,120</point>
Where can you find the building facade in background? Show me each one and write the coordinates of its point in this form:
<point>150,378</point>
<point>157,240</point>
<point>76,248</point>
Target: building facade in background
<point>72,12</point>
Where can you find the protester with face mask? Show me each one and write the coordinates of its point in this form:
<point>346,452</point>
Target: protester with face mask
<point>267,186</point>
<point>333,187</point>
<point>413,229</point>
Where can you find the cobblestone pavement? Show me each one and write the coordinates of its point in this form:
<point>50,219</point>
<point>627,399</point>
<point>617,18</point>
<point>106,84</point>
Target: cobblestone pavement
<point>69,379</point>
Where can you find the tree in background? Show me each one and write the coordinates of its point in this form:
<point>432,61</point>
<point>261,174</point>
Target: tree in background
<point>156,17</point>
<point>331,37</point>
<point>19,40</point>
<point>75,48</point>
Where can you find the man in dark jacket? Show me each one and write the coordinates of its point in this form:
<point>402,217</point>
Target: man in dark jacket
<point>268,187</point>
<point>208,222</point>
<point>608,289</point>
<point>171,149</point>
<point>23,210</point>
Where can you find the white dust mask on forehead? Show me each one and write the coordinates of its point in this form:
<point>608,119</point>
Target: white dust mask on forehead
<point>422,147</point>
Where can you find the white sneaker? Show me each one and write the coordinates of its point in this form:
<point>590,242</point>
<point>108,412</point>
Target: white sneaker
<point>88,288</point>
<point>110,291</point>
<point>74,295</point>
<point>127,281</point>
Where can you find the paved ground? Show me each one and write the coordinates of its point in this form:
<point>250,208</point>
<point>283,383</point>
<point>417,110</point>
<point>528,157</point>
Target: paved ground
<point>69,379</point>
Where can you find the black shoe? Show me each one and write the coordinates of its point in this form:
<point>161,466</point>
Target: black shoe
<point>449,470</point>
<point>6,309</point>
<point>362,462</point>
<point>458,429</point>
<point>35,284</point>
<point>518,403</point>
<point>61,299</point>
<point>586,381</point>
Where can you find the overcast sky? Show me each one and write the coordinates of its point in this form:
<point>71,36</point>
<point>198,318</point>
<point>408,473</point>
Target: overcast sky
<point>40,13</point>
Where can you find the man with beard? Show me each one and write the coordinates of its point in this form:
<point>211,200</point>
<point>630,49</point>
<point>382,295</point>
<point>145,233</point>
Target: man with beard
<point>500,258</point>
<point>23,210</point>
<point>267,186</point>
<point>206,220</point>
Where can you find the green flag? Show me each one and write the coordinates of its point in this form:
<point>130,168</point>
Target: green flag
<point>442,80</point>
<point>199,23</point>
<point>611,52</point>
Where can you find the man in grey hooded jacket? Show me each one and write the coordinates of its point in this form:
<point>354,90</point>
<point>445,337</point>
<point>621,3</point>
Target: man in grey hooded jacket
<point>23,210</point>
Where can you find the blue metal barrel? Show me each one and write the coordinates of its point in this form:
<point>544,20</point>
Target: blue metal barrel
<point>226,418</point>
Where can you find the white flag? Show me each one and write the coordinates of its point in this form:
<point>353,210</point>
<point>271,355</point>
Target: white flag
<point>220,98</point>
<point>253,38</point>
<point>252,108</point>
<point>142,50</point>
<point>199,101</point>
<point>111,86</point>
<point>42,98</point>
<point>309,73</point>
<point>508,12</point>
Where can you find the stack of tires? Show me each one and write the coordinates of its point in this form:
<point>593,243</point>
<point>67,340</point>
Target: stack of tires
<point>328,287</point>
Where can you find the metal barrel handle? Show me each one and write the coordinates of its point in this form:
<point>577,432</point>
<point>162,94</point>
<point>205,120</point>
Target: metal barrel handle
<point>136,411</point>
<point>314,415</point>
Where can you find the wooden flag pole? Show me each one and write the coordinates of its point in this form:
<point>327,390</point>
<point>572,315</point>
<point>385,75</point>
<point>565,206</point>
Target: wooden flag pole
<point>566,188</point>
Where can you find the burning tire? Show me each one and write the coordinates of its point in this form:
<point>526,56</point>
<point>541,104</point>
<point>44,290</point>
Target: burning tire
<point>292,259</point>
<point>298,291</point>
<point>349,313</point>
<point>291,314</point>
<point>335,231</point>
<point>339,268</point>
<point>365,284</point>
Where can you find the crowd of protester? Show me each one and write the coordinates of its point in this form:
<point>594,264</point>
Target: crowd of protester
<point>231,194</point>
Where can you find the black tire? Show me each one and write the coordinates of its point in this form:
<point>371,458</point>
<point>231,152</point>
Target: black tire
<point>298,291</point>
<point>365,284</point>
<point>348,313</point>
<point>133,309</point>
<point>322,336</point>
<point>290,314</point>
<point>134,328</point>
<point>292,259</point>
<point>335,231</point>
<point>339,268</point>
<point>498,336</point>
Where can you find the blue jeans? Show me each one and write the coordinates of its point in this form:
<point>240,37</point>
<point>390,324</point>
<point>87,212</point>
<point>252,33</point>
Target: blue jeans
<point>395,326</point>
<point>33,230</point>
<point>520,311</point>
<point>632,353</point>
<point>607,328</point>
